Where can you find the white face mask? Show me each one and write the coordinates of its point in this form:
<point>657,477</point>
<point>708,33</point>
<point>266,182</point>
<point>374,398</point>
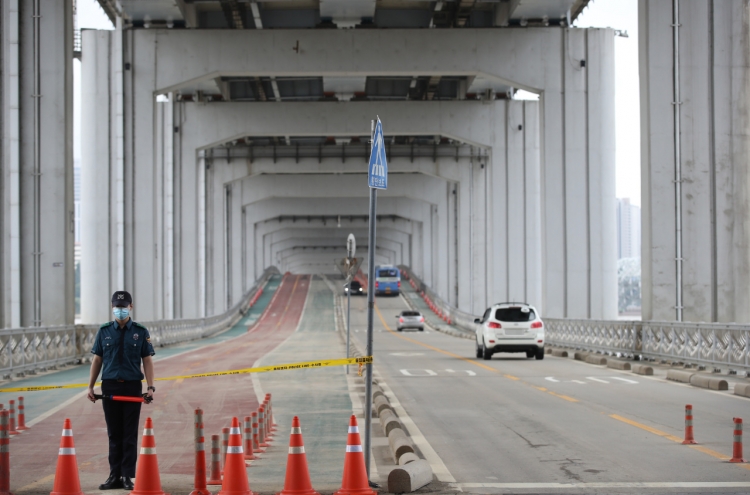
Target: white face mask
<point>121,313</point>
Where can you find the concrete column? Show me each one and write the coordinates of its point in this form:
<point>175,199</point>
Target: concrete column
<point>97,186</point>
<point>715,148</point>
<point>10,122</point>
<point>46,164</point>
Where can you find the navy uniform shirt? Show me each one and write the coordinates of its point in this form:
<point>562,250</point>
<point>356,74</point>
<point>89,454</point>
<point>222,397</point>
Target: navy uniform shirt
<point>122,350</point>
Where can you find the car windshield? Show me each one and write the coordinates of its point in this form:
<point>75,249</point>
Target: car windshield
<point>410,313</point>
<point>388,273</point>
<point>515,313</point>
<point>355,285</point>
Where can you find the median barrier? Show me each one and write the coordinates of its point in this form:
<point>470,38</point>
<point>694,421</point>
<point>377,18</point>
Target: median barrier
<point>742,389</point>
<point>709,382</point>
<point>594,359</point>
<point>389,421</point>
<point>399,443</point>
<point>559,353</point>
<point>380,403</point>
<point>618,365</point>
<point>407,458</point>
<point>642,369</point>
<point>548,350</point>
<point>410,477</point>
<point>378,393</point>
<point>679,376</point>
<point>580,355</point>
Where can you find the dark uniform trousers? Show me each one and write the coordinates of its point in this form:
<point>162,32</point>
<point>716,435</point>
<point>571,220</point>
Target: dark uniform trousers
<point>122,426</point>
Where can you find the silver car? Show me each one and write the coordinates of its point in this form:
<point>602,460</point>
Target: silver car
<point>410,319</point>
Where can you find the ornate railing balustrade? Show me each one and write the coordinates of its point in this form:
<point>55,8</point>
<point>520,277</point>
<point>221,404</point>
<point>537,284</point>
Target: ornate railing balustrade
<point>718,346</point>
<point>24,350</point>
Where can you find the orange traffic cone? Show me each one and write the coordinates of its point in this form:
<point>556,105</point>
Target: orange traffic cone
<point>66,475</point>
<point>355,480</point>
<point>297,480</point>
<point>235,472</point>
<point>147,480</point>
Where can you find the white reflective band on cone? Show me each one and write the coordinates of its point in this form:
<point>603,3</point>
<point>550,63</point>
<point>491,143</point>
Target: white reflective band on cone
<point>354,429</point>
<point>297,450</point>
<point>354,448</point>
<point>67,451</point>
<point>67,433</point>
<point>296,430</point>
<point>199,447</point>
<point>148,450</point>
<point>234,431</point>
<point>234,450</point>
<point>148,432</point>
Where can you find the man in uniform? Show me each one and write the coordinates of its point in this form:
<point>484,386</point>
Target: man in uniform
<point>119,348</point>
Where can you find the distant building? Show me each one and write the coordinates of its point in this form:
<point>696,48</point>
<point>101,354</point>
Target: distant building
<point>628,229</point>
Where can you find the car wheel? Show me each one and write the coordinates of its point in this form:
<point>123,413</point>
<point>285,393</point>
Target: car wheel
<point>421,329</point>
<point>400,329</point>
<point>540,354</point>
<point>530,354</point>
<point>479,350</point>
<point>486,353</point>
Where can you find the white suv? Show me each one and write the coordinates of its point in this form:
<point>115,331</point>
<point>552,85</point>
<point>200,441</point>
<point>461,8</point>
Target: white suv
<point>510,327</point>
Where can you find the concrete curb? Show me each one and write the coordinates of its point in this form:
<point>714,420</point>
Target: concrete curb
<point>400,444</point>
<point>618,365</point>
<point>642,369</point>
<point>709,382</point>
<point>598,360</point>
<point>742,389</point>
<point>407,458</point>
<point>389,421</point>
<point>559,353</point>
<point>409,477</point>
<point>679,376</point>
<point>380,403</point>
<point>580,355</point>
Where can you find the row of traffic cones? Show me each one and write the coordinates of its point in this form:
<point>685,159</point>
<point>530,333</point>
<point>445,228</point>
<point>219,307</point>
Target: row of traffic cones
<point>235,480</point>
<point>14,428</point>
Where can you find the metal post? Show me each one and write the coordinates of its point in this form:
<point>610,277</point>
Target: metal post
<point>348,318</point>
<point>677,158</point>
<point>37,195</point>
<point>370,310</point>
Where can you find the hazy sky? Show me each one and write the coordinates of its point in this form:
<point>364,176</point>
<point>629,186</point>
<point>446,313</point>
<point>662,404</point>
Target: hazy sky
<point>618,14</point>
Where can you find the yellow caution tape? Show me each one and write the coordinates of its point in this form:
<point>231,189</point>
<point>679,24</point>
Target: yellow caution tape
<point>262,369</point>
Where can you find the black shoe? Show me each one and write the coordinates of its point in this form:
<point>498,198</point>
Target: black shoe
<point>112,483</point>
<point>127,483</point>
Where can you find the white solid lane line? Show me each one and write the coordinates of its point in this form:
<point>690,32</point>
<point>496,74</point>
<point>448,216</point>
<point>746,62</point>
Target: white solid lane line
<point>623,380</point>
<point>635,484</point>
<point>596,379</point>
<point>552,379</point>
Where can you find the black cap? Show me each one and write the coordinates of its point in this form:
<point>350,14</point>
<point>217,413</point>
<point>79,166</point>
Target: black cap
<point>122,298</point>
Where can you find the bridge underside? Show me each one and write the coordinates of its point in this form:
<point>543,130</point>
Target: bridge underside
<point>241,153</point>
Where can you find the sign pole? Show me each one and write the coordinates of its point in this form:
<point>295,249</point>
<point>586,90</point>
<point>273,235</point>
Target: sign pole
<point>348,318</point>
<point>370,315</point>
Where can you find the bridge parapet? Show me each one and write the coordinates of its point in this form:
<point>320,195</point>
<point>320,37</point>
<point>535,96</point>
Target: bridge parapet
<point>717,346</point>
<point>26,350</point>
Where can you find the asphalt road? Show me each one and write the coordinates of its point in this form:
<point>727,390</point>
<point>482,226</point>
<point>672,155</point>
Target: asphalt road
<point>517,424</point>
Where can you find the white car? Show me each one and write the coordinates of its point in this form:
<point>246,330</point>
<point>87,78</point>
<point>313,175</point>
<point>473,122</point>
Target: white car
<point>410,319</point>
<point>510,327</point>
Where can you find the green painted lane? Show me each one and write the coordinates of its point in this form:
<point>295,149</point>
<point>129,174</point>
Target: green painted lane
<point>320,397</point>
<point>37,403</point>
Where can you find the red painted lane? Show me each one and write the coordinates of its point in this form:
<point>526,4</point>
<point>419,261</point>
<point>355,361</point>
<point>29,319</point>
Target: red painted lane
<point>34,453</point>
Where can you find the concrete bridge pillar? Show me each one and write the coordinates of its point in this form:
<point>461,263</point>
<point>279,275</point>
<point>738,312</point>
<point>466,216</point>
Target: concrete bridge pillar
<point>713,76</point>
<point>36,199</point>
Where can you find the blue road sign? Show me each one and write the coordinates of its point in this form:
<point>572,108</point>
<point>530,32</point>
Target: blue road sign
<point>377,175</point>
